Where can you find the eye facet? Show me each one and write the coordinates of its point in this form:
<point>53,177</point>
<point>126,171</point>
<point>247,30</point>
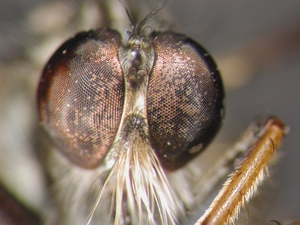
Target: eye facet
<point>185,99</point>
<point>80,96</point>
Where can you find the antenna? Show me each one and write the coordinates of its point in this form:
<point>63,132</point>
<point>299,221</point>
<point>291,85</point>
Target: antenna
<point>138,27</point>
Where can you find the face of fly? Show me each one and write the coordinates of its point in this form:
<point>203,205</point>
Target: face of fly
<point>79,183</point>
<point>131,113</point>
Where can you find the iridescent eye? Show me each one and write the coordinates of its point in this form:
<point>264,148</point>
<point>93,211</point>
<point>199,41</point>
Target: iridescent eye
<point>185,99</point>
<point>81,96</point>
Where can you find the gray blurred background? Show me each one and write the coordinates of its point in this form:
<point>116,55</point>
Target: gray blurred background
<point>255,43</point>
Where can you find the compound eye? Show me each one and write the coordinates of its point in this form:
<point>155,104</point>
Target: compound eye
<point>80,96</point>
<point>185,99</point>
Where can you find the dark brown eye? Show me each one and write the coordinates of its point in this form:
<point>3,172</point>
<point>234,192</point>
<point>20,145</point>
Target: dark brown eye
<point>185,99</point>
<point>82,92</point>
<point>80,96</point>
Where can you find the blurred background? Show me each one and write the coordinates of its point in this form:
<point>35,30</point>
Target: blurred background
<point>255,43</point>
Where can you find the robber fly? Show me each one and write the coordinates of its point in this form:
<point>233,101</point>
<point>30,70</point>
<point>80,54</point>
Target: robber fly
<point>127,119</point>
<point>128,115</point>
